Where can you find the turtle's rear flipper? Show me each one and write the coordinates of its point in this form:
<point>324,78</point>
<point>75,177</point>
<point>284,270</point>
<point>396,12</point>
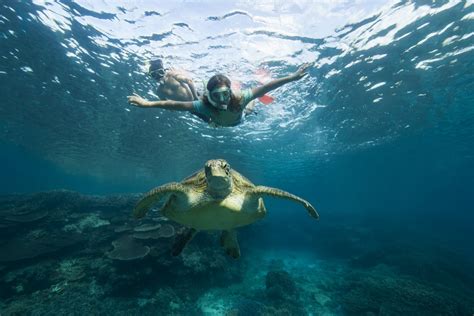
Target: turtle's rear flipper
<point>230,244</point>
<point>182,240</point>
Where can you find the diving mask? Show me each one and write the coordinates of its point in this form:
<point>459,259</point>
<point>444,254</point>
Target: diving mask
<point>220,97</point>
<point>157,74</point>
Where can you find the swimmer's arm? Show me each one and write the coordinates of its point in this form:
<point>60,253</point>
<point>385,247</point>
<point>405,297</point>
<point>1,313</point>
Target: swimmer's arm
<point>193,90</point>
<point>184,80</point>
<point>191,86</point>
<point>136,100</point>
<point>274,84</point>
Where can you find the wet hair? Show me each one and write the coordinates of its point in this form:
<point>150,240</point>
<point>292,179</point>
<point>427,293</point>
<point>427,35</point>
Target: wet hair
<point>156,64</point>
<point>219,81</point>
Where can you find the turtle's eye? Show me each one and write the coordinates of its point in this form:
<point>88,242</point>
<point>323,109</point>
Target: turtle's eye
<point>226,167</point>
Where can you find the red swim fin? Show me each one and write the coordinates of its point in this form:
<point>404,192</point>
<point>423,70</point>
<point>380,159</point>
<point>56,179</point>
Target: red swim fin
<point>266,99</point>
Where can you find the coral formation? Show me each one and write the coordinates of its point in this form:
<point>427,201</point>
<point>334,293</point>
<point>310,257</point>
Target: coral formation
<point>282,294</point>
<point>280,286</point>
<point>42,265</point>
<point>121,229</point>
<point>146,228</point>
<point>72,269</point>
<point>248,307</point>
<point>23,247</point>
<point>26,216</point>
<point>382,292</point>
<point>87,222</point>
<point>158,231</point>
<point>126,248</point>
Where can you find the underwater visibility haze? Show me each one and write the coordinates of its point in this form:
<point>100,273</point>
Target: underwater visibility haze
<point>378,137</point>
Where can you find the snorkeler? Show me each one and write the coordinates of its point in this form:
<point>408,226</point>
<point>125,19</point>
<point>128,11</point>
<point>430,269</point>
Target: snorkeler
<point>172,84</point>
<point>220,105</point>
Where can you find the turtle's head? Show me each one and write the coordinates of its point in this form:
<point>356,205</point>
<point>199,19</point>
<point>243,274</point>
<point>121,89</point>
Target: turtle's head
<point>218,177</point>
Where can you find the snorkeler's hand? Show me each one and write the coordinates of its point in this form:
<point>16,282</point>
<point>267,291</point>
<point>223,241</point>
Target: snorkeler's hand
<point>302,71</point>
<point>137,100</point>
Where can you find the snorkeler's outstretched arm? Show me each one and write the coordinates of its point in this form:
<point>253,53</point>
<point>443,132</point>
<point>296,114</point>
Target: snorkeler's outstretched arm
<point>136,100</point>
<point>272,85</point>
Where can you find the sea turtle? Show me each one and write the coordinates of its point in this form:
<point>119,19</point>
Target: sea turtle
<point>214,198</point>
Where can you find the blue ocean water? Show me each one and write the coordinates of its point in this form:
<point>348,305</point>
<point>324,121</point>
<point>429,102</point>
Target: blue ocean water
<point>379,137</point>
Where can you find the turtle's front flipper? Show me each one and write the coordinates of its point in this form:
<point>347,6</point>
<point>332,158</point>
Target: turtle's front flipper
<point>230,244</point>
<point>154,196</point>
<point>262,190</point>
<point>182,240</point>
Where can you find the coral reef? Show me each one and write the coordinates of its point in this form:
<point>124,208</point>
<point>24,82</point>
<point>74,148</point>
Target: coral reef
<point>280,286</point>
<point>282,294</point>
<point>126,248</point>
<point>56,256</point>
<point>202,260</point>
<point>381,292</point>
<point>155,232</point>
<point>85,223</point>
<point>441,265</point>
<point>248,307</point>
<point>146,228</point>
<point>36,245</point>
<point>72,269</point>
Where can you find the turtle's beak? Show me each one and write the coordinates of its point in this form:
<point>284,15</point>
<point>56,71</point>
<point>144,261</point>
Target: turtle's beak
<point>218,180</point>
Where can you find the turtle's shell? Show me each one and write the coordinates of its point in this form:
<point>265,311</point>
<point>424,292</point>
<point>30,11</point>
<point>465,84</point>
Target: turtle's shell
<point>198,209</point>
